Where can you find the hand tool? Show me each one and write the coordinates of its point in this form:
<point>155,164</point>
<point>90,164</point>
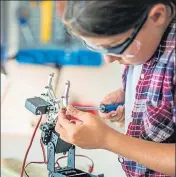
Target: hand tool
<point>103,107</point>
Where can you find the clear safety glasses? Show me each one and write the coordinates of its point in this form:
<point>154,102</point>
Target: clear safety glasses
<point>133,46</point>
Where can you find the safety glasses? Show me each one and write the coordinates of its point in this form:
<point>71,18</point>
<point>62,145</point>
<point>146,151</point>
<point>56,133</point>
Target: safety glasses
<point>119,51</point>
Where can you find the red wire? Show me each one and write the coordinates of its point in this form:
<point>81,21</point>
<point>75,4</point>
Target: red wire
<point>26,154</point>
<point>35,163</point>
<point>43,150</point>
<point>90,168</point>
<point>44,154</point>
<point>44,157</point>
<point>57,164</point>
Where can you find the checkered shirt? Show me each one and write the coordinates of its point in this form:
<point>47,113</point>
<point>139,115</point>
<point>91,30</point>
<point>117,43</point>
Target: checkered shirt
<point>154,111</point>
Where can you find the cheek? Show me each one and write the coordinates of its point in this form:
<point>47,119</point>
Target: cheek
<point>148,46</point>
<point>147,49</point>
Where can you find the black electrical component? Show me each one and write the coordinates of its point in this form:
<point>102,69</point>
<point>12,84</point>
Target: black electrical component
<point>37,105</point>
<point>47,134</point>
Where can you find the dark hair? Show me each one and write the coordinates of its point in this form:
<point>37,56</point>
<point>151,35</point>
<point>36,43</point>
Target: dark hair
<point>107,18</point>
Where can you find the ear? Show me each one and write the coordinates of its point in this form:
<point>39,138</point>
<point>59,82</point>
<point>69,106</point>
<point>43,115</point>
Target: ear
<point>158,14</point>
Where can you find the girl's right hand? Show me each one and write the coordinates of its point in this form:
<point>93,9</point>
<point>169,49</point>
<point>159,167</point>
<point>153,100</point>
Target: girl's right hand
<point>115,97</point>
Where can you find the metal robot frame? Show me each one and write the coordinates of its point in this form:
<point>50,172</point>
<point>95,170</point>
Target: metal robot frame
<point>48,104</point>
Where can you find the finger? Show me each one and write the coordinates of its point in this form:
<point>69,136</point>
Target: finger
<point>120,110</point>
<point>67,113</point>
<point>69,117</point>
<point>64,122</point>
<point>107,100</point>
<point>76,113</point>
<point>76,121</point>
<point>120,115</point>
<point>59,129</point>
<point>62,114</point>
<point>122,118</point>
<point>109,115</point>
<point>104,115</point>
<point>110,98</point>
<point>62,110</point>
<point>113,113</point>
<point>118,119</point>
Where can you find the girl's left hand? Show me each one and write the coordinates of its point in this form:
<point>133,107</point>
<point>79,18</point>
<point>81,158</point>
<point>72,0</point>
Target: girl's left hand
<point>88,132</point>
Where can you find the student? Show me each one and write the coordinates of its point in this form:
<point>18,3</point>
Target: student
<point>141,36</point>
<point>156,156</point>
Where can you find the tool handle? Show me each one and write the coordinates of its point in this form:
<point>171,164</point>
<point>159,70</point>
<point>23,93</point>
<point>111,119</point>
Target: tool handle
<point>108,108</point>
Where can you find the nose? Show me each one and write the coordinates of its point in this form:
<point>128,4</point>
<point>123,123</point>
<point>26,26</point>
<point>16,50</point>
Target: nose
<point>110,58</point>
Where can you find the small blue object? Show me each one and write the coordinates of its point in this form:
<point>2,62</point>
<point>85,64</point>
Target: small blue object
<point>59,57</point>
<point>3,53</point>
<point>23,15</point>
<point>23,21</point>
<point>108,108</point>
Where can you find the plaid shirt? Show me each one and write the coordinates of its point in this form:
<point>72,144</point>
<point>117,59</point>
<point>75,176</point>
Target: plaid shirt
<point>154,111</point>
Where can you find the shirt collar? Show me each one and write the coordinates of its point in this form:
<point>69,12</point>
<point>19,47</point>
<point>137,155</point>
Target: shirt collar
<point>167,44</point>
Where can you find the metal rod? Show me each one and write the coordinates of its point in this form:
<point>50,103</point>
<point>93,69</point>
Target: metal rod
<point>87,108</point>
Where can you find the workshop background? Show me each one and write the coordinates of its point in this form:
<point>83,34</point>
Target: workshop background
<point>34,43</point>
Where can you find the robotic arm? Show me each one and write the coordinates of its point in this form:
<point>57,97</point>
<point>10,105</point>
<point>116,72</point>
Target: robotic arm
<point>48,104</point>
